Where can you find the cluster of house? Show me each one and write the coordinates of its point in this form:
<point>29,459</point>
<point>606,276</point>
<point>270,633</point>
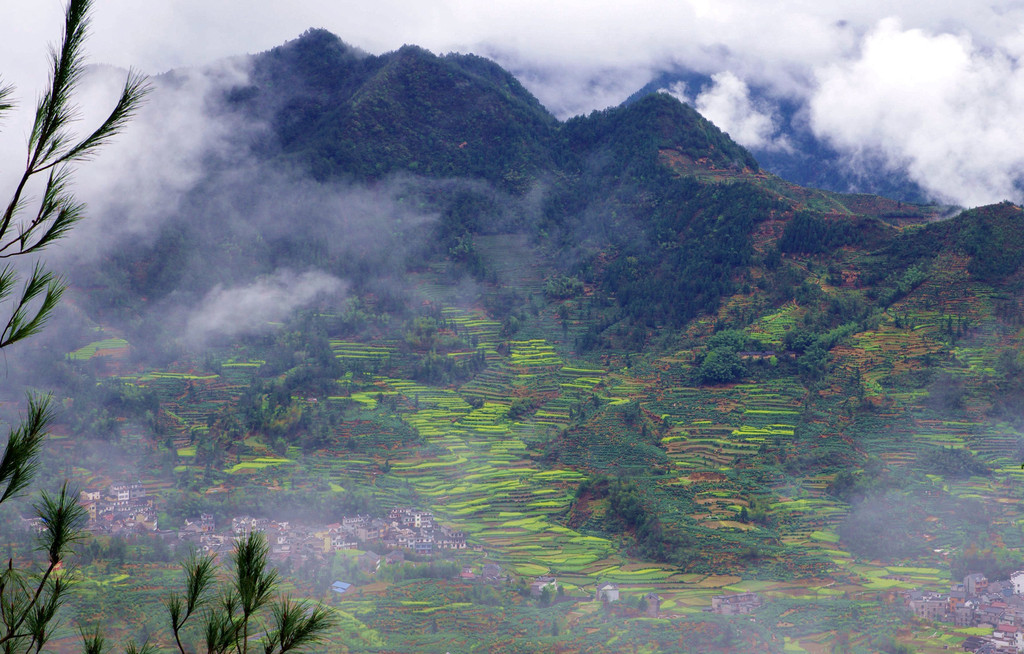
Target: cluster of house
<point>403,530</point>
<point>124,508</point>
<point>978,602</point>
<point>119,509</point>
<point>735,604</point>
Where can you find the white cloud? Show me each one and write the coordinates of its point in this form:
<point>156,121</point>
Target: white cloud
<point>148,168</point>
<point>728,105</point>
<point>577,56</point>
<point>572,39</point>
<point>937,105</point>
<point>251,309</point>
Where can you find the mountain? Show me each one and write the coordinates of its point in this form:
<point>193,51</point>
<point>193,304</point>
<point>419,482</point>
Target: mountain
<point>807,160</point>
<point>343,112</point>
<point>610,349</point>
<point>346,117</point>
<point>642,182</point>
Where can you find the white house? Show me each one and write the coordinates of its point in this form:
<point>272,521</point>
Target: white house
<point>1017,579</point>
<point>607,592</point>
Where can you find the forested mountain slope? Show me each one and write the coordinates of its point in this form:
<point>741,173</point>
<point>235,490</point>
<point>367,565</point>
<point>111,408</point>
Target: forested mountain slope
<point>608,349</point>
<point>793,150</point>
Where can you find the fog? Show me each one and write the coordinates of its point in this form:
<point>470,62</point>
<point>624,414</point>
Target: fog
<point>923,89</point>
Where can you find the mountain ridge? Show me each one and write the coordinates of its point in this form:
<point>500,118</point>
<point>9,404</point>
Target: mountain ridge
<point>651,172</point>
<point>806,159</point>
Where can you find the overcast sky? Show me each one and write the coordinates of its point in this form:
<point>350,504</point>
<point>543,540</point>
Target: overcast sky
<point>934,86</point>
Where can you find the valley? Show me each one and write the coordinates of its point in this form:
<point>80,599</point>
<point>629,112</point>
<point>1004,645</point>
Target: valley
<point>609,350</point>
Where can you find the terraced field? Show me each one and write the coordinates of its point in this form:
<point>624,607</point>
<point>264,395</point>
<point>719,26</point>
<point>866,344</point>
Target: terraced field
<point>105,347</point>
<point>477,454</point>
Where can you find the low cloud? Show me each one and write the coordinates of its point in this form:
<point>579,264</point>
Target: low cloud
<point>253,308</point>
<point>727,103</point>
<point>140,177</point>
<point>938,106</point>
<point>186,159</point>
<point>179,197</point>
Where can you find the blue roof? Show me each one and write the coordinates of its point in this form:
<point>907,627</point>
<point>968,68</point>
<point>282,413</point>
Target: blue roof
<point>340,586</point>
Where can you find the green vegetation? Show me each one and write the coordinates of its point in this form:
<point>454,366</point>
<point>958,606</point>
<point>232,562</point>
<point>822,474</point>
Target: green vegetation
<point>606,350</point>
<point>233,618</point>
<point>952,463</point>
<point>807,233</point>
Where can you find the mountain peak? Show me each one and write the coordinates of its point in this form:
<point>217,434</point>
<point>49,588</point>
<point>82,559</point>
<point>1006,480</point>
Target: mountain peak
<point>661,126</point>
<point>319,41</point>
<point>682,129</point>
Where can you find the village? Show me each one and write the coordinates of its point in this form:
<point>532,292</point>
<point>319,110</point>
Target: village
<point>124,509</point>
<point>978,602</point>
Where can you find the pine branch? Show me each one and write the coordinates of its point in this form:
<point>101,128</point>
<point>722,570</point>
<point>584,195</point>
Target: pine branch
<point>28,610</point>
<point>298,625</point>
<point>23,613</point>
<point>58,212</point>
<point>254,582</point>
<point>93,641</point>
<point>50,143</point>
<point>21,454</point>
<point>147,648</point>
<point>135,89</point>
<point>22,323</point>
<point>6,91</point>
<point>200,572</point>
<point>64,519</point>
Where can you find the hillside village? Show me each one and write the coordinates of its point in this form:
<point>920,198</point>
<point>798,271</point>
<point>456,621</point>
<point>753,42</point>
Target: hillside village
<point>978,602</point>
<point>124,509</point>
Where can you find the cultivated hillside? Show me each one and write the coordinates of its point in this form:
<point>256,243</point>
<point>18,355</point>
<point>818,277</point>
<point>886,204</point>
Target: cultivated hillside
<point>612,349</point>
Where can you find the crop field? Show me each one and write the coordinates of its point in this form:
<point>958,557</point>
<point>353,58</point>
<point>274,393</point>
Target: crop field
<point>105,347</point>
<point>372,355</point>
<point>476,474</point>
<point>771,329</point>
<point>501,457</point>
<point>484,485</point>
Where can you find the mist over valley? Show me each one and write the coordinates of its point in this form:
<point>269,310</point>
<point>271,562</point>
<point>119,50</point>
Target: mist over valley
<point>495,378</point>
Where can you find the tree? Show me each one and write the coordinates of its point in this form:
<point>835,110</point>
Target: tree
<point>52,152</point>
<point>30,598</point>
<point>720,366</point>
<point>231,617</point>
<point>545,595</point>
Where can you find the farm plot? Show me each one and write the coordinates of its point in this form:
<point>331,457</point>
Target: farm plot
<point>772,328</point>
<point>474,323</point>
<point>258,463</point>
<point>104,347</point>
<point>477,476</point>
<point>713,430</point>
<point>883,352</point>
<point>370,356</point>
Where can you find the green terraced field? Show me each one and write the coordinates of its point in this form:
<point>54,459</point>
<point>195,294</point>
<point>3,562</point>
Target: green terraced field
<point>465,454</point>
<point>97,348</point>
